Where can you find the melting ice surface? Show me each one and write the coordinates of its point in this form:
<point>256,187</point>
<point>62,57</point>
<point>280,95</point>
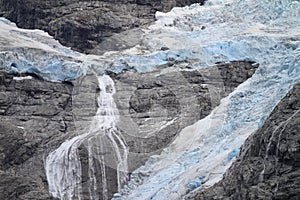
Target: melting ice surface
<point>63,166</point>
<point>263,31</point>
<point>35,52</point>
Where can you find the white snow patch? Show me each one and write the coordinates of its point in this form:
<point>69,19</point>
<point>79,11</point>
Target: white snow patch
<point>22,78</point>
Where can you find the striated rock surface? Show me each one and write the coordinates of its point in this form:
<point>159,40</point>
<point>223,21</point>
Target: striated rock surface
<point>155,106</point>
<point>89,26</point>
<point>37,116</point>
<point>268,166</point>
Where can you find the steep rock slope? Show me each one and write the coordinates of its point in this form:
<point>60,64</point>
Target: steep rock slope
<point>37,116</point>
<point>155,106</point>
<point>33,114</point>
<point>85,24</point>
<point>268,166</point>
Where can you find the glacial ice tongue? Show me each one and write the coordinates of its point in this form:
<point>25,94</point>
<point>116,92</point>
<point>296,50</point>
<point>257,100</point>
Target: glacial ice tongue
<point>263,31</point>
<point>35,52</point>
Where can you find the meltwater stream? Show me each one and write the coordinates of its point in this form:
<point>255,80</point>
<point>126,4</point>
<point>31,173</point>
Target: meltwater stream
<point>63,166</point>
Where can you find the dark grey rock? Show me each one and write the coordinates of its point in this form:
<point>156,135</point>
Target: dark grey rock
<point>155,106</point>
<point>34,113</point>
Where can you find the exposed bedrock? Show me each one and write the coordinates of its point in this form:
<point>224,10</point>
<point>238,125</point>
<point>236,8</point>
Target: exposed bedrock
<point>37,116</point>
<point>89,26</point>
<point>155,106</point>
<point>268,166</point>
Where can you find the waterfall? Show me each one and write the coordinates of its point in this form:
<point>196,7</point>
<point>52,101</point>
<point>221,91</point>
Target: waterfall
<point>63,166</point>
<point>281,126</point>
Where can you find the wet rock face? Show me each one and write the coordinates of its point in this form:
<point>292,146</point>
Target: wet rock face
<point>268,166</point>
<point>88,26</point>
<point>37,116</point>
<point>155,106</point>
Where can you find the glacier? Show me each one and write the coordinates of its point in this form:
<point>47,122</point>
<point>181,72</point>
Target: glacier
<point>266,32</point>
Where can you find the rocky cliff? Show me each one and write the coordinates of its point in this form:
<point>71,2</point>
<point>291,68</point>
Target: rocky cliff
<point>89,26</point>
<point>268,165</point>
<point>155,106</point>
<point>37,116</point>
<point>33,114</point>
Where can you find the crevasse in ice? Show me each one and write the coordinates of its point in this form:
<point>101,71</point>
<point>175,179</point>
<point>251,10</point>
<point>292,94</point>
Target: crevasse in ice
<point>262,31</point>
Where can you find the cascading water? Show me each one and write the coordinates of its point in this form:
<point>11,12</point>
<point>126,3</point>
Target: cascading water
<point>63,166</point>
<point>281,127</point>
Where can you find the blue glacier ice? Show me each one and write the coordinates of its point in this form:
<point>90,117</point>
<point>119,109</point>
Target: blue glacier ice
<point>6,21</point>
<point>232,155</point>
<point>193,184</point>
<point>149,62</point>
<point>53,69</point>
